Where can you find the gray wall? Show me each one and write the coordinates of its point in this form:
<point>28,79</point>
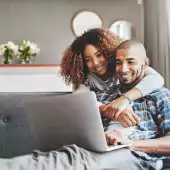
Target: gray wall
<point>48,22</point>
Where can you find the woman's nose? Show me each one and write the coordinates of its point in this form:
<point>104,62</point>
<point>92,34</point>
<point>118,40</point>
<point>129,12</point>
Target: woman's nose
<point>96,61</point>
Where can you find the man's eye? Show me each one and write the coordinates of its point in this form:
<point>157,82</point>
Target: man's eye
<point>131,62</point>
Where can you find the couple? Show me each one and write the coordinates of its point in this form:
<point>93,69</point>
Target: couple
<point>89,62</point>
<point>99,60</point>
<point>92,60</point>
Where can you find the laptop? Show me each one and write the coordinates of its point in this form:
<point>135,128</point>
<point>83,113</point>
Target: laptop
<point>62,120</point>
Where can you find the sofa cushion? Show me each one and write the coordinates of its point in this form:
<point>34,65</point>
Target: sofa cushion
<point>15,135</point>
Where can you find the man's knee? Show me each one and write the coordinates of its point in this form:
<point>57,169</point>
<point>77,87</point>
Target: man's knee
<point>119,159</point>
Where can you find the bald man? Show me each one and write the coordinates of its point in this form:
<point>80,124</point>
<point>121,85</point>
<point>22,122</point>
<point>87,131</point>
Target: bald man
<point>131,62</point>
<point>151,141</point>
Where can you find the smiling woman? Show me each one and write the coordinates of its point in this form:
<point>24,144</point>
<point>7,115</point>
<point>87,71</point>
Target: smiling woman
<point>87,54</point>
<point>95,60</point>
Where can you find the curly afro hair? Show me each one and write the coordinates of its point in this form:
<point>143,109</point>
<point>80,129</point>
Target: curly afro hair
<point>73,66</point>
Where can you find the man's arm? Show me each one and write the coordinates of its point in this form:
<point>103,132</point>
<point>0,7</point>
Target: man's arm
<point>160,145</point>
<point>155,146</point>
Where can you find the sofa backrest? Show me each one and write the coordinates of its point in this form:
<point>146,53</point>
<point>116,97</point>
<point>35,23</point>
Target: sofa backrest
<point>15,136</point>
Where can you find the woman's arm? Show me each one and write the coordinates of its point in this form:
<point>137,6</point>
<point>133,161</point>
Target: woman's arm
<point>149,83</point>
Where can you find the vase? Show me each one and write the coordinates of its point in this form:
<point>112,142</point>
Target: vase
<point>26,62</point>
<point>6,62</point>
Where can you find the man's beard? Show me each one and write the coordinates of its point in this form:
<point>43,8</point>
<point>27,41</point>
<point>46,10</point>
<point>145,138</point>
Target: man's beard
<point>126,87</point>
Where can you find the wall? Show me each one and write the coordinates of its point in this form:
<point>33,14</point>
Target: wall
<point>32,79</point>
<point>48,22</point>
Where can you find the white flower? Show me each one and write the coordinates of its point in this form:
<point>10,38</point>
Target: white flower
<point>28,43</point>
<point>10,45</point>
<point>28,50</point>
<point>13,47</point>
<point>34,49</point>
<point>2,49</point>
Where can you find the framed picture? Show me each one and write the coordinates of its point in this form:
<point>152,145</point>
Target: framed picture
<point>123,28</point>
<point>84,21</point>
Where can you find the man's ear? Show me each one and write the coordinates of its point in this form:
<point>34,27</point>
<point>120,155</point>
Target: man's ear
<point>146,62</point>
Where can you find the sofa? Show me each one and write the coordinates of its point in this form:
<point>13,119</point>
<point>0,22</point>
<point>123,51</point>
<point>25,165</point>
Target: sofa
<point>16,138</point>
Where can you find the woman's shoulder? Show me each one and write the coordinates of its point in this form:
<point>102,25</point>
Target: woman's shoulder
<point>93,77</point>
<point>95,83</point>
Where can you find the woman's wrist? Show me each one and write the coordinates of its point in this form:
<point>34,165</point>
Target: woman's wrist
<point>128,99</point>
<point>134,94</point>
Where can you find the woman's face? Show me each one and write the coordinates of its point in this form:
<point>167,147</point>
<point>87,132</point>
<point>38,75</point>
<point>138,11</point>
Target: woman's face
<point>95,60</point>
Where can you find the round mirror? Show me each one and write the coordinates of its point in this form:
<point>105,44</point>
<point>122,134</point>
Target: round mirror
<point>84,21</point>
<point>123,29</point>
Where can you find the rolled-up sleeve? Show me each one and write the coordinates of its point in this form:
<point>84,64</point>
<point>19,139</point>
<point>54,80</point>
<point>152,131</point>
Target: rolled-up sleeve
<point>163,112</point>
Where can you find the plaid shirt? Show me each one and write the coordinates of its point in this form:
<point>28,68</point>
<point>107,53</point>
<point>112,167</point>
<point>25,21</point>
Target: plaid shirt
<point>153,111</point>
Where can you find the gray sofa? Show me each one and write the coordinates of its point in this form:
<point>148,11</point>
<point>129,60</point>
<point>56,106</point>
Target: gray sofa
<point>16,138</point>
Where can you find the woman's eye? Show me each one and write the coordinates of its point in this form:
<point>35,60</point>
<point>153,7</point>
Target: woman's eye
<point>99,55</point>
<point>118,62</point>
<point>87,59</point>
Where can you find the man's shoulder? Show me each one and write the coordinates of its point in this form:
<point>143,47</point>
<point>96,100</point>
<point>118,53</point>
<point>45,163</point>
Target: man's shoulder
<point>161,94</point>
<point>160,91</point>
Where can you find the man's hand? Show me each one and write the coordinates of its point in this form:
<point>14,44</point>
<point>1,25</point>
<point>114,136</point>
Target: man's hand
<point>116,107</point>
<point>128,118</point>
<point>114,138</point>
<point>118,137</point>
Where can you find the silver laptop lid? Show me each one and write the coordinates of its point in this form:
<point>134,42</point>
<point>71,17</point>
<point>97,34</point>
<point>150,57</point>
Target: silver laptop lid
<point>67,119</point>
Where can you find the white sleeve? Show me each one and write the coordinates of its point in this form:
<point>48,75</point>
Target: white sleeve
<point>150,82</point>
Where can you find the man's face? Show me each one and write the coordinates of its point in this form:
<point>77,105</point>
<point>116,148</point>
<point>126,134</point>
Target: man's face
<point>95,60</point>
<point>129,65</point>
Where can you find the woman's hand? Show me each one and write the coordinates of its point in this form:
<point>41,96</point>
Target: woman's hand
<point>116,107</point>
<point>128,118</point>
<point>101,109</point>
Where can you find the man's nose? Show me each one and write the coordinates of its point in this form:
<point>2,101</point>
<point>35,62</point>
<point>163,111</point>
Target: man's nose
<point>124,68</point>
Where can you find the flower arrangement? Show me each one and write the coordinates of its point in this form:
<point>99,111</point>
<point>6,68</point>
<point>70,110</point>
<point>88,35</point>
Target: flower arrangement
<point>9,51</point>
<point>27,51</point>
